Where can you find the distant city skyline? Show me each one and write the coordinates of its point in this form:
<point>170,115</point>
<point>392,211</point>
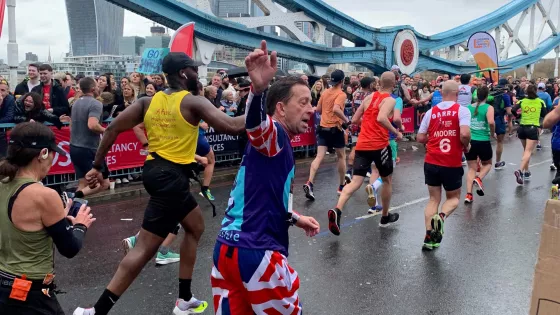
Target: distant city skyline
<point>50,28</point>
<point>95,27</point>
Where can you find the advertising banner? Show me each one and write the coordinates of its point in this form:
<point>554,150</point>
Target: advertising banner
<point>125,152</point>
<point>407,118</point>
<point>221,143</point>
<point>483,48</point>
<point>308,137</point>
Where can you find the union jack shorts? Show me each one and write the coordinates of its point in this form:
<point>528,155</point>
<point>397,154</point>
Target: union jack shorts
<point>247,281</point>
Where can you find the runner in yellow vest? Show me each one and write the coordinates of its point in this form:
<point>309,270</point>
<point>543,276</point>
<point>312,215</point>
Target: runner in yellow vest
<point>171,119</point>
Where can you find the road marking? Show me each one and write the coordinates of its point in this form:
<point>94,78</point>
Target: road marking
<point>540,163</point>
<point>406,204</point>
<point>349,223</point>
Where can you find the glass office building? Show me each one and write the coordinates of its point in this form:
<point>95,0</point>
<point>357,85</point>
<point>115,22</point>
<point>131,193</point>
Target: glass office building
<point>95,27</point>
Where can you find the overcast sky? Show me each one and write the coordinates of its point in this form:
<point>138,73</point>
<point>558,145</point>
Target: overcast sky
<point>43,23</point>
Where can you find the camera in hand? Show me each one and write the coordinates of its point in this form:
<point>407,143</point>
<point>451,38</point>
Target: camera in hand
<point>76,205</point>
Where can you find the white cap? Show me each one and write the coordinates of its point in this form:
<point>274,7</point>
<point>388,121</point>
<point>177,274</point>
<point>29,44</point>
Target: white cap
<point>541,86</point>
<point>395,67</point>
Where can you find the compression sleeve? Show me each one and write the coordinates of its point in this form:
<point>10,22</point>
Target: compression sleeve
<point>261,129</point>
<point>68,239</point>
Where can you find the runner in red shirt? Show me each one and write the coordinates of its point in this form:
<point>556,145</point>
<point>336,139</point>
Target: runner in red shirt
<point>446,132</point>
<point>372,147</point>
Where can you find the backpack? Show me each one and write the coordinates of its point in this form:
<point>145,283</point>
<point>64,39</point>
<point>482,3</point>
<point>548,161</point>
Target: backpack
<point>496,100</point>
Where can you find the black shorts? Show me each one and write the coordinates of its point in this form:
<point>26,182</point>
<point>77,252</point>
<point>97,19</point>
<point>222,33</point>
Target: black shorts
<point>170,199</point>
<point>527,132</point>
<point>36,304</point>
<point>556,158</point>
<point>82,159</point>
<point>330,138</point>
<point>383,160</point>
<point>479,149</point>
<point>451,178</point>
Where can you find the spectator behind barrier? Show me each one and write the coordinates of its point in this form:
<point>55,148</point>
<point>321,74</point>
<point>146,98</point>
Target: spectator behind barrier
<point>32,218</point>
<point>30,108</point>
<point>8,103</point>
<point>87,114</point>
<point>30,82</point>
<point>228,106</point>
<point>51,92</point>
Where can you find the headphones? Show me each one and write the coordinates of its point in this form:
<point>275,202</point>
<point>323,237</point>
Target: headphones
<point>46,155</point>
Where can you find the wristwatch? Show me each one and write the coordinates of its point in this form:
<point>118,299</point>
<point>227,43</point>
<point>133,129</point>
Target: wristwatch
<point>293,218</point>
<point>97,167</point>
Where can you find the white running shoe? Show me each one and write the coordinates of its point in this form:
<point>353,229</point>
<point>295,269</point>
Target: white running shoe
<point>193,306</point>
<point>118,181</point>
<point>84,311</point>
<point>125,181</point>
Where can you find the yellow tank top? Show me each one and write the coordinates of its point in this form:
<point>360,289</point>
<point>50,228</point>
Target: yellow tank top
<point>169,134</point>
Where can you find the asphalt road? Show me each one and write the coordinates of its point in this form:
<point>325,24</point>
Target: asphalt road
<point>484,266</point>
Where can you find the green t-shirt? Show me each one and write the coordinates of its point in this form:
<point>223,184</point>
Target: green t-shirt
<point>480,131</point>
<point>531,111</point>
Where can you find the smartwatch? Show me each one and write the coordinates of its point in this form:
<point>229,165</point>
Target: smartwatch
<point>293,218</point>
<point>97,167</point>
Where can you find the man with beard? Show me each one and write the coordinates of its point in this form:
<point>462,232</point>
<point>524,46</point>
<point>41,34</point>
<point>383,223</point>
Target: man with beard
<point>171,119</point>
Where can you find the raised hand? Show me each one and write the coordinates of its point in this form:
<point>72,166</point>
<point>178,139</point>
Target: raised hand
<point>261,69</point>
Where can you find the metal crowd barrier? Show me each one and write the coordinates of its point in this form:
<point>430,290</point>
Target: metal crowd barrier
<point>225,159</point>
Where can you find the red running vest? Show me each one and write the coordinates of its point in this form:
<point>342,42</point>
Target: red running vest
<point>373,136</point>
<point>444,147</point>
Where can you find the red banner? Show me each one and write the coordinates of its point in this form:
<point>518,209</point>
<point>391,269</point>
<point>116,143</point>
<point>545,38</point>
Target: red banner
<point>125,152</point>
<point>308,137</point>
<point>407,118</point>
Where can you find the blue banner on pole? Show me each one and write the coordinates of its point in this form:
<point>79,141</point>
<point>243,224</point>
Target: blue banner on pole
<point>152,59</point>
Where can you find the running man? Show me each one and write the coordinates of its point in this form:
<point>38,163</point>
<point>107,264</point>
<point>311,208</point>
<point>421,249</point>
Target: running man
<point>482,127</point>
<point>367,85</point>
<point>552,122</point>
<point>171,120</point>
<point>501,102</point>
<point>532,109</point>
<point>331,131</point>
<point>446,132</point>
<point>372,147</point>
<point>375,180</point>
<point>251,274</point>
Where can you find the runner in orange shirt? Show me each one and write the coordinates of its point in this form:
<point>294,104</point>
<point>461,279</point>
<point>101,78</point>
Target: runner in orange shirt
<point>372,147</point>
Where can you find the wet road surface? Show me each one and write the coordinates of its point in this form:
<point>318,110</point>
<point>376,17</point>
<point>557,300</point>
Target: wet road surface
<point>485,264</point>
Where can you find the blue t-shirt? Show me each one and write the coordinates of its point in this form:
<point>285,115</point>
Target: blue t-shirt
<point>436,98</point>
<point>258,206</point>
<point>399,107</point>
<point>555,141</point>
<point>546,98</point>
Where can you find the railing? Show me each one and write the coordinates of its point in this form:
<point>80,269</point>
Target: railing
<point>226,158</point>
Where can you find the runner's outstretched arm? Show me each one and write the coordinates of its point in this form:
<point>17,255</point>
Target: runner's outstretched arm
<point>219,120</point>
<point>262,132</point>
<point>385,108</point>
<point>552,118</point>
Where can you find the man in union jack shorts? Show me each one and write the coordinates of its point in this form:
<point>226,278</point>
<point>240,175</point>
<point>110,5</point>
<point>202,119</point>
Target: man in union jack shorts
<point>251,274</point>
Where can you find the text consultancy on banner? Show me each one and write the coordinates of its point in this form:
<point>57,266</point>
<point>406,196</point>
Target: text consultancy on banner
<point>126,151</point>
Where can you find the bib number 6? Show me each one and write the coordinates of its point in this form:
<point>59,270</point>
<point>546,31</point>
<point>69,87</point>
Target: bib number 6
<point>445,145</point>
